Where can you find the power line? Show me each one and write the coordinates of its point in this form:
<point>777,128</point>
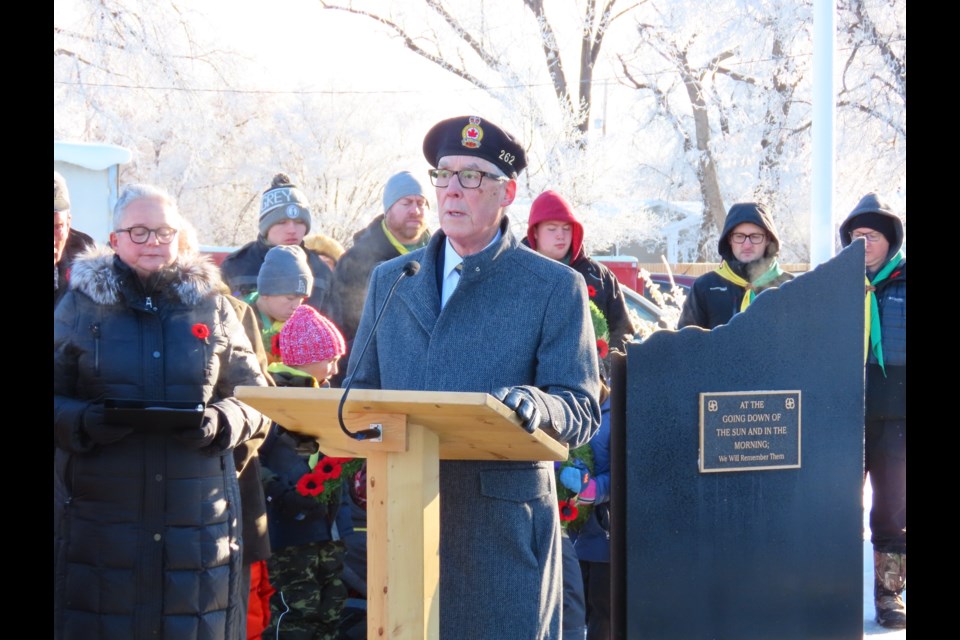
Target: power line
<point>341,92</point>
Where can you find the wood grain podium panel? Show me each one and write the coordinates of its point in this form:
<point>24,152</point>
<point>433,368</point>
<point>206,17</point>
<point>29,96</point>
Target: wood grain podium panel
<point>469,425</point>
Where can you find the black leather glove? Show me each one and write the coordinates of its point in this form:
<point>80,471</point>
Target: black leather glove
<point>204,435</point>
<point>303,443</point>
<point>97,430</point>
<point>519,400</point>
<point>295,506</point>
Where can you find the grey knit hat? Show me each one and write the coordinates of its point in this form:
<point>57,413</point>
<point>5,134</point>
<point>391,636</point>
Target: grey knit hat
<point>281,201</point>
<point>61,197</point>
<point>400,185</point>
<point>285,271</point>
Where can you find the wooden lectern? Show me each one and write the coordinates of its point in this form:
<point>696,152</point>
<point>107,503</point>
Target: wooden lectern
<point>403,479</point>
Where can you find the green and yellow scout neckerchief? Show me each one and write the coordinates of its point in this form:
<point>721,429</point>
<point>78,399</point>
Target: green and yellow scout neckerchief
<point>774,272</point>
<point>871,312</point>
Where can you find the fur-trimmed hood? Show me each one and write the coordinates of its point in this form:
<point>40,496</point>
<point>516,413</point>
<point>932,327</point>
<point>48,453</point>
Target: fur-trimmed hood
<point>98,274</point>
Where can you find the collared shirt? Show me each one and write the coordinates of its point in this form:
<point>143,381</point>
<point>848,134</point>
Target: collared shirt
<point>451,277</point>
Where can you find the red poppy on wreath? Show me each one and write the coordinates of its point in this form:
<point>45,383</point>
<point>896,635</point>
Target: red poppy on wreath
<point>603,347</point>
<point>310,484</point>
<point>328,468</point>
<point>200,330</point>
<point>591,290</point>
<point>568,510</point>
<point>275,344</point>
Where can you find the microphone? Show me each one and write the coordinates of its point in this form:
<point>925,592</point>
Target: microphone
<point>409,270</point>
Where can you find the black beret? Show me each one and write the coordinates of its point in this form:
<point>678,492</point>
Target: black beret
<point>471,136</point>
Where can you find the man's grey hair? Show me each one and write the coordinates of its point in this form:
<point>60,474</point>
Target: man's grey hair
<point>133,192</point>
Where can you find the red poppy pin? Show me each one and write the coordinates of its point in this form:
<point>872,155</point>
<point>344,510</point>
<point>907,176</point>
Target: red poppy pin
<point>603,347</point>
<point>591,291</point>
<point>200,330</point>
<point>275,344</point>
<point>568,510</point>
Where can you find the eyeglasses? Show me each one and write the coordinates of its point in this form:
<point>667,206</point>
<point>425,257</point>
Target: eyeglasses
<point>469,178</point>
<point>873,237</point>
<point>139,235</point>
<point>740,238</point>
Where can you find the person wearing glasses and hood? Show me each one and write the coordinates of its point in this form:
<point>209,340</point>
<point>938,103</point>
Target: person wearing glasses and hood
<point>147,531</point>
<point>748,246</point>
<point>874,221</point>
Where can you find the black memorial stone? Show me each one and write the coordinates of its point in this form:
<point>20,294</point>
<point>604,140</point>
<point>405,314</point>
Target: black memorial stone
<point>722,549</point>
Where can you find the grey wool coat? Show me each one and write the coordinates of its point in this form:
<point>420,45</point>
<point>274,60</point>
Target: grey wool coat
<point>516,318</point>
<point>147,533</point>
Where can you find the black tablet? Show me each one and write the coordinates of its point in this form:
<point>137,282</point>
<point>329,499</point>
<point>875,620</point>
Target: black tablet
<point>152,415</point>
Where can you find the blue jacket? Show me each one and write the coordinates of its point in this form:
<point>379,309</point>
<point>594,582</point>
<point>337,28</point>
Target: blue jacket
<point>294,519</point>
<point>592,542</point>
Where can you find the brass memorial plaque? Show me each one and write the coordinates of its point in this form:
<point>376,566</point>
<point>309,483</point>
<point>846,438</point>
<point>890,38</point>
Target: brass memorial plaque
<point>749,431</point>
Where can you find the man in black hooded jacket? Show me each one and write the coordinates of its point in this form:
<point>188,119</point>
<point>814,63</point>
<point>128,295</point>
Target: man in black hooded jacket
<point>749,247</point>
<point>885,414</point>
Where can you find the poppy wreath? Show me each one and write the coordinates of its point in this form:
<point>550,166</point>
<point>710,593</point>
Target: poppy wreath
<point>573,513</point>
<point>326,476</point>
<point>601,329</point>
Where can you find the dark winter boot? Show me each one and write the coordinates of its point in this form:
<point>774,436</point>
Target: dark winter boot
<point>890,579</point>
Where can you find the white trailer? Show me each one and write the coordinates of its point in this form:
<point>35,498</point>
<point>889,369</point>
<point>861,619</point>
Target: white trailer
<point>92,174</point>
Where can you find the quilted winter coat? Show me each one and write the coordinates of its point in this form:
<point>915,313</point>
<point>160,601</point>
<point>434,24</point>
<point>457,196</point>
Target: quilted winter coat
<point>147,535</point>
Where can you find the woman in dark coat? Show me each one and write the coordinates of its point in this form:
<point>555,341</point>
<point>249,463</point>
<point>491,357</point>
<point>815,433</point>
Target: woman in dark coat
<point>147,536</point>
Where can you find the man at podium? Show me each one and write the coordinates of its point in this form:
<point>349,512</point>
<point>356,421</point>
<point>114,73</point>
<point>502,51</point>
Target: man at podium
<point>484,313</point>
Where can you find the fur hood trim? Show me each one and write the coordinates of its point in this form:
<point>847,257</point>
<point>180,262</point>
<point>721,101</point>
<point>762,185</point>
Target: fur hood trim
<point>193,277</point>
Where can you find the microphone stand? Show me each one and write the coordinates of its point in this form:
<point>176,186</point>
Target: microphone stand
<point>409,270</point>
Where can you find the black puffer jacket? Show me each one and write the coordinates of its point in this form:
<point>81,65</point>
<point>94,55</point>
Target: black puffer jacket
<point>241,268</point>
<point>713,300</point>
<point>147,538</point>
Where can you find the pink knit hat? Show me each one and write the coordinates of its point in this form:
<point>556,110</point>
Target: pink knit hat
<point>309,337</point>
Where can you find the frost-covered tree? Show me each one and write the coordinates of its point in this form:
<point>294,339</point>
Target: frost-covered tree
<point>721,86</point>
<point>727,95</point>
<point>871,99</point>
<point>131,73</point>
<point>710,107</point>
<point>539,63</point>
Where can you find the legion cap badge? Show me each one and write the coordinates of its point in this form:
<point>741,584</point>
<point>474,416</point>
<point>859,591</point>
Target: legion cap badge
<point>472,134</point>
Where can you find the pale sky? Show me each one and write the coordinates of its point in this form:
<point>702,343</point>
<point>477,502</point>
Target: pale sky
<point>300,46</point>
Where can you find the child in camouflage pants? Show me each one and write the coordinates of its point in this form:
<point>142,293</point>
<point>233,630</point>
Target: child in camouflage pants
<point>305,523</point>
